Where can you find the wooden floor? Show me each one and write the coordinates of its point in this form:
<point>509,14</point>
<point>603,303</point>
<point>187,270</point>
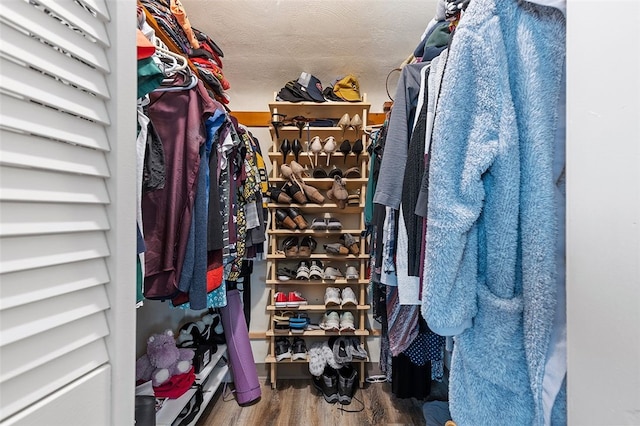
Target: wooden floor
<point>296,402</point>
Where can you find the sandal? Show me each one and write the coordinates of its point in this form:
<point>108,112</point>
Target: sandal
<point>353,173</point>
<point>316,271</point>
<point>316,147</point>
<point>277,195</point>
<point>297,217</point>
<point>318,224</point>
<point>306,247</point>
<point>283,219</point>
<point>329,147</point>
<point>298,170</point>
<point>303,271</point>
<point>333,224</point>
<point>348,241</point>
<point>290,246</point>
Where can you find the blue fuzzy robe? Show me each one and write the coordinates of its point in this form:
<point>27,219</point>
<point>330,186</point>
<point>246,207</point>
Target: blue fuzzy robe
<point>491,227</point>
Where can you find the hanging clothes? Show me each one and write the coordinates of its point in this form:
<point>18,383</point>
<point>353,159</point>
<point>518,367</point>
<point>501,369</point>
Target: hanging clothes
<point>178,117</point>
<point>492,226</point>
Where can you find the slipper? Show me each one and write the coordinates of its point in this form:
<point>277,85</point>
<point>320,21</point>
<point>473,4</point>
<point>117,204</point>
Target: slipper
<point>327,352</point>
<point>340,350</point>
<point>355,349</point>
<point>333,224</point>
<point>317,362</point>
<point>319,224</point>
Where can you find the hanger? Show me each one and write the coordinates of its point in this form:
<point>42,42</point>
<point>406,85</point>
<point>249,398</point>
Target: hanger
<point>191,82</point>
<point>178,62</point>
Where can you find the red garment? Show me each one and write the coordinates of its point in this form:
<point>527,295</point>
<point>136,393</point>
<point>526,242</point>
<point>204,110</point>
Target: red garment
<point>178,117</point>
<point>176,386</point>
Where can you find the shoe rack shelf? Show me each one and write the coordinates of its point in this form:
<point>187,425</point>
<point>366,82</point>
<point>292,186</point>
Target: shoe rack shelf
<point>351,218</point>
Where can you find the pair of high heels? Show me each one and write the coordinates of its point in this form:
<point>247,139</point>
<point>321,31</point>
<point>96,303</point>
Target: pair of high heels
<point>316,146</point>
<point>346,148</point>
<point>286,147</point>
<point>346,123</point>
<point>294,173</point>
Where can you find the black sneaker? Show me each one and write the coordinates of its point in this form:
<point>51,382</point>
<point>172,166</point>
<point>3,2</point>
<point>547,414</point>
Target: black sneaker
<point>347,376</point>
<point>299,349</point>
<point>283,348</point>
<point>329,384</point>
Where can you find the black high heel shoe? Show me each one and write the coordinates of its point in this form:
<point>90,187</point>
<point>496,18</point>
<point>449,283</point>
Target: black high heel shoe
<point>277,121</point>
<point>296,148</point>
<point>357,149</point>
<point>285,148</point>
<point>345,148</point>
<point>299,121</point>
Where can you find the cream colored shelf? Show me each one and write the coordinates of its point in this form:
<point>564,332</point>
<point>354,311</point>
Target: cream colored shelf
<point>313,232</point>
<point>317,282</point>
<point>320,308</point>
<point>270,333</point>
<point>352,216</point>
<point>319,256</point>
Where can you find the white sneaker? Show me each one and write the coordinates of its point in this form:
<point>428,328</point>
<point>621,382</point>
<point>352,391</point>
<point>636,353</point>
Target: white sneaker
<point>331,273</point>
<point>351,273</point>
<point>347,322</point>
<point>349,297</point>
<point>330,321</point>
<point>332,296</point>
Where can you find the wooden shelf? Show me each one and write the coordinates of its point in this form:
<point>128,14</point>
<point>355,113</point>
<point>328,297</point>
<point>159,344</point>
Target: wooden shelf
<point>326,207</point>
<point>352,216</point>
<point>320,308</point>
<point>270,333</point>
<point>319,256</point>
<point>314,232</point>
<point>272,359</point>
<point>317,282</point>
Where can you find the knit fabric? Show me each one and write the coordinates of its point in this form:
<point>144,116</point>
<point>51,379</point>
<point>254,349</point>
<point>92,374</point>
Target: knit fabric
<point>492,227</point>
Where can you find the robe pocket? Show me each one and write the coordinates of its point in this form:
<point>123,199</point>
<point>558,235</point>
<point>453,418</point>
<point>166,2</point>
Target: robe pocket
<point>493,348</point>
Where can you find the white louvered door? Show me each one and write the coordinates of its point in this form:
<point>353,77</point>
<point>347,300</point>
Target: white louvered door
<point>67,217</point>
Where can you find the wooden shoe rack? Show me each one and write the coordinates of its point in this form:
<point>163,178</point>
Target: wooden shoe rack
<point>351,217</point>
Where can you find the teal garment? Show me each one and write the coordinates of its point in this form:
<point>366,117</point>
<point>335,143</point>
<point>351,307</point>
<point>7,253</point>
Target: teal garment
<point>149,76</point>
<point>139,280</point>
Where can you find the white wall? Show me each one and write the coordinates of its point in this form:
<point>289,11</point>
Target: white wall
<point>269,42</point>
<point>603,215</point>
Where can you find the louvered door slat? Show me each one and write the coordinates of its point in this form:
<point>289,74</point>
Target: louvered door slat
<point>31,285</point>
<point>45,315</point>
<point>21,253</point>
<point>29,117</point>
<point>33,85</point>
<point>46,218</point>
<point>77,16</point>
<point>78,397</point>
<point>49,186</point>
<point>21,47</point>
<point>39,382</point>
<point>48,28</point>
<point>99,7</point>
<point>22,150</point>
<point>26,354</point>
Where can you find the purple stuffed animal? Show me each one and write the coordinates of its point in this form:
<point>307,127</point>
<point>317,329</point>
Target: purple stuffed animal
<point>163,359</point>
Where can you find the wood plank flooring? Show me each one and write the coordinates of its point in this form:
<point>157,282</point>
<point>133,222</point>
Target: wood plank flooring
<point>296,402</point>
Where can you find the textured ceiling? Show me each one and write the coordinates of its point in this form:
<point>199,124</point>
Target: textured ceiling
<point>269,42</point>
